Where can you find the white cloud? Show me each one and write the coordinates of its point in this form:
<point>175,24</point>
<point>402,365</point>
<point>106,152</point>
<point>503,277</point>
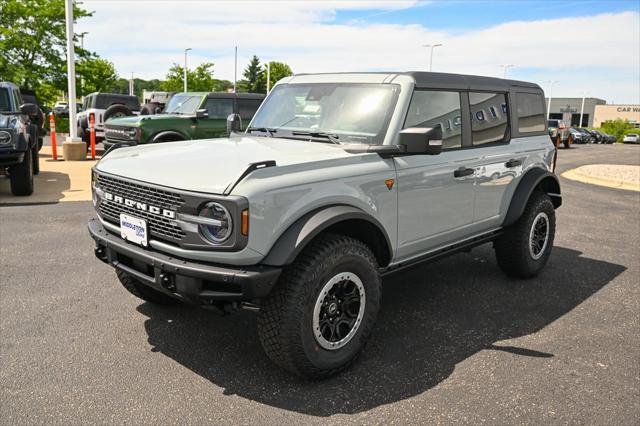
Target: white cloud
<point>599,54</point>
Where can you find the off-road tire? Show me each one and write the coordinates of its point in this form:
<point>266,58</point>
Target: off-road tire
<point>512,248</point>
<point>35,156</point>
<point>150,109</point>
<point>117,110</point>
<point>568,142</point>
<point>285,322</point>
<point>144,292</point>
<point>21,176</point>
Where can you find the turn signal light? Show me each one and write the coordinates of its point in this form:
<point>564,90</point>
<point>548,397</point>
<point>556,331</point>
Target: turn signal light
<point>244,228</point>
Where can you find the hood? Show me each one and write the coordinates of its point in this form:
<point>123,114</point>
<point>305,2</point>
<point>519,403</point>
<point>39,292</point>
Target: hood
<point>210,165</point>
<point>5,120</point>
<point>138,120</point>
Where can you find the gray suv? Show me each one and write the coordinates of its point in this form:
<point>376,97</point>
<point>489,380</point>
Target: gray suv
<point>339,180</point>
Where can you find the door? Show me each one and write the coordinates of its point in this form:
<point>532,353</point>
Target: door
<point>435,192</point>
<point>499,165</point>
<point>215,124</point>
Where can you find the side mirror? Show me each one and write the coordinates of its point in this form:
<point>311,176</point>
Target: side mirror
<point>202,113</point>
<point>421,140</point>
<point>28,109</point>
<point>234,123</point>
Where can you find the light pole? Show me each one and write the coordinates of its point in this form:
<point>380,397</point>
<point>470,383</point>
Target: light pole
<point>431,46</point>
<point>185,67</point>
<point>550,83</point>
<point>505,67</point>
<point>268,77</point>
<point>71,73</point>
<point>131,85</point>
<point>582,109</point>
<point>235,68</point>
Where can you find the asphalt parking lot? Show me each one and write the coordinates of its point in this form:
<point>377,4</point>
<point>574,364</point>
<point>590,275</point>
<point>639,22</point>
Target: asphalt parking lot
<point>456,341</point>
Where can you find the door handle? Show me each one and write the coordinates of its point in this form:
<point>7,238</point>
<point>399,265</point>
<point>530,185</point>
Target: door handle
<point>462,172</point>
<point>513,163</point>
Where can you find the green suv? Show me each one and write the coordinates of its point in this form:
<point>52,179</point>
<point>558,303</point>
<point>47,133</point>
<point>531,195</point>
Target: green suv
<point>189,115</point>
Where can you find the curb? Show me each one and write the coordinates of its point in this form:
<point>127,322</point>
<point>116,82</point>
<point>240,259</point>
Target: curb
<point>575,174</point>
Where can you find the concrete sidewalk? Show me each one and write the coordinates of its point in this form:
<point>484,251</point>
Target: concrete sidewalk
<point>58,181</point>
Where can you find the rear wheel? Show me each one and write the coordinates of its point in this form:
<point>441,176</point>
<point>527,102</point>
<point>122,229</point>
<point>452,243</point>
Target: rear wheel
<point>117,111</point>
<point>525,247</point>
<point>568,142</point>
<point>318,317</point>
<point>144,292</point>
<point>21,176</point>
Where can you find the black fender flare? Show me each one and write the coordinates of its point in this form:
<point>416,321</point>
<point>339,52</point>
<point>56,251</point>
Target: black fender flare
<point>534,178</point>
<point>306,228</point>
<point>168,133</point>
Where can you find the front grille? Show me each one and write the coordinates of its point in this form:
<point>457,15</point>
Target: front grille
<point>159,226</point>
<point>119,134</point>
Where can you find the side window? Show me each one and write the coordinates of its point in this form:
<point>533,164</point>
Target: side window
<point>489,117</point>
<point>219,108</point>
<point>530,108</point>
<point>437,109</point>
<point>248,107</point>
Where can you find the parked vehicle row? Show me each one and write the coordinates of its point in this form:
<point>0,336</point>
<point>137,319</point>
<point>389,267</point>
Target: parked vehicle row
<point>104,106</point>
<point>338,180</point>
<point>187,116</point>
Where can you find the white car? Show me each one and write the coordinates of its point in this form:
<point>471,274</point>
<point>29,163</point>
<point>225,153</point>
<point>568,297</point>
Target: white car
<point>631,138</point>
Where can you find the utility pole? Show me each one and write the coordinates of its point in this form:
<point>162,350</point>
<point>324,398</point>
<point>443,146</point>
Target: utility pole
<point>235,68</point>
<point>268,77</point>
<point>505,67</point>
<point>551,83</point>
<point>185,67</point>
<point>131,85</point>
<point>431,46</point>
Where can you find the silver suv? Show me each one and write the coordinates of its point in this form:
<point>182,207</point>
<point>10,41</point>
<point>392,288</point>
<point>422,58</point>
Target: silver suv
<point>339,180</point>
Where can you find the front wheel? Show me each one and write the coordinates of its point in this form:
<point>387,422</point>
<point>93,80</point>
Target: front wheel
<point>319,315</point>
<point>21,176</point>
<point>568,142</point>
<point>525,247</point>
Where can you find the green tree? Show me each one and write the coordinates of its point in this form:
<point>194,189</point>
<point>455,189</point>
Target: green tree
<point>617,128</point>
<point>95,75</point>
<point>198,80</point>
<point>33,44</point>
<point>253,74</point>
<point>278,71</point>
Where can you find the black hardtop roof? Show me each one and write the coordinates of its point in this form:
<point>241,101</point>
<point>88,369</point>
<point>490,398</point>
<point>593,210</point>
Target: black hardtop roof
<point>236,95</point>
<point>440,80</point>
<point>119,95</point>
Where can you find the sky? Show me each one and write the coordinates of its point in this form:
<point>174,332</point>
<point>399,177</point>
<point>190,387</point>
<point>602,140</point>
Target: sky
<point>589,47</point>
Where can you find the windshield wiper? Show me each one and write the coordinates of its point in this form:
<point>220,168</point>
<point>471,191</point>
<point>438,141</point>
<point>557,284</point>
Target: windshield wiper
<point>330,137</point>
<point>268,130</point>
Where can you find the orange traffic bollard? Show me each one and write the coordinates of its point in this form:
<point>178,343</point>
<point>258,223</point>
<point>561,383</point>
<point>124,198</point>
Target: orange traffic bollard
<point>52,128</point>
<point>92,135</point>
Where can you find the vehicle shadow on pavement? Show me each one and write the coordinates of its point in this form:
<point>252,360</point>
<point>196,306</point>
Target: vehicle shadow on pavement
<point>48,189</point>
<point>432,318</point>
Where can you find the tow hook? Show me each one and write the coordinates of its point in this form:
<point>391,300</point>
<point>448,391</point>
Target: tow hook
<point>167,281</point>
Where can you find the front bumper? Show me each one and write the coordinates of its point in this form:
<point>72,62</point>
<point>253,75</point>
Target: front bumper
<point>11,158</point>
<point>198,283</point>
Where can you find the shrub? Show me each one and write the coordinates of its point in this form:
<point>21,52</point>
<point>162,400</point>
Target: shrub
<point>617,128</point>
<point>62,124</point>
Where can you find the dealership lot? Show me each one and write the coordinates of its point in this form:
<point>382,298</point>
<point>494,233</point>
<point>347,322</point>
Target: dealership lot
<point>456,341</point>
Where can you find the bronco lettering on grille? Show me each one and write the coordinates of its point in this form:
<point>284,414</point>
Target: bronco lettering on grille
<point>170,214</point>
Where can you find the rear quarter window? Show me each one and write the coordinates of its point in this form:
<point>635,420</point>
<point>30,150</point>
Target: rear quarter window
<point>489,117</point>
<point>530,113</point>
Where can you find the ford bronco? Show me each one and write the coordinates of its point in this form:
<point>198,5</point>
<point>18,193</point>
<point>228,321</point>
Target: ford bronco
<point>103,107</point>
<point>339,180</point>
<point>190,115</point>
<point>18,140</point>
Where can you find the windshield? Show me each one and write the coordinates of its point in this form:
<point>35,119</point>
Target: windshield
<point>354,113</point>
<point>183,104</point>
<point>5,101</point>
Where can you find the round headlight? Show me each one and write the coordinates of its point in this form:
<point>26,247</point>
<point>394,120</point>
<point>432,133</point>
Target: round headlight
<point>5,137</point>
<point>219,230</point>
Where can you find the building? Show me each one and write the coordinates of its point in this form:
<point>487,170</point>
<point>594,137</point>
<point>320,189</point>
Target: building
<point>568,110</point>
<point>611,112</point>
